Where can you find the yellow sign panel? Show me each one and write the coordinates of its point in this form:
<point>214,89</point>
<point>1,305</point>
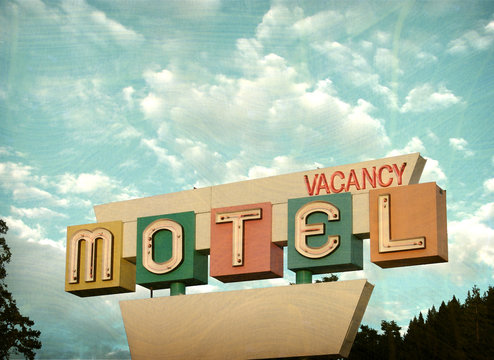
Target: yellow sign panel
<point>94,263</point>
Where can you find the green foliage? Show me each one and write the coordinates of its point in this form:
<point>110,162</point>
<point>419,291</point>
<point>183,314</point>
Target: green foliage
<point>15,329</point>
<point>454,331</point>
<point>330,278</point>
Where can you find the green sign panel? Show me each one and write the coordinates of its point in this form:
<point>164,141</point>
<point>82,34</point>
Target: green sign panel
<point>320,235</point>
<point>166,251</point>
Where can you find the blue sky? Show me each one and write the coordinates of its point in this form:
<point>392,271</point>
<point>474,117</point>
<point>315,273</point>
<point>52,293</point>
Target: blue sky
<point>103,101</point>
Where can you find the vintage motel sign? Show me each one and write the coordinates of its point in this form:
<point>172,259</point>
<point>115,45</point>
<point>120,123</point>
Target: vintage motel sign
<point>320,214</point>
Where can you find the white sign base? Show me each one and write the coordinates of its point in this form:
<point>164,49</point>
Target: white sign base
<point>267,323</point>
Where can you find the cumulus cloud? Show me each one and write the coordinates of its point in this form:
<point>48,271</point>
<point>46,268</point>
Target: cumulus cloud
<point>461,145</point>
<point>36,213</point>
<point>489,185</point>
<point>280,165</point>
<point>424,98</point>
<point>98,185</point>
<point>479,39</point>
<point>115,29</point>
<point>414,145</point>
<point>252,111</point>
<point>162,153</point>
<point>432,171</point>
<point>24,185</point>
<point>128,93</point>
<point>34,233</point>
<point>153,106</point>
<point>85,183</point>
<point>358,70</point>
<point>473,238</point>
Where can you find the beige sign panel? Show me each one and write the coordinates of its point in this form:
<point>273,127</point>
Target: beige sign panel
<point>357,179</point>
<point>277,322</point>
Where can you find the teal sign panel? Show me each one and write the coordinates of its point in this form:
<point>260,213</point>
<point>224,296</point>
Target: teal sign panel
<point>169,237</point>
<point>347,252</point>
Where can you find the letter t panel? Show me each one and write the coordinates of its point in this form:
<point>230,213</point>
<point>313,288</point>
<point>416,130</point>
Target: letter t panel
<point>241,244</point>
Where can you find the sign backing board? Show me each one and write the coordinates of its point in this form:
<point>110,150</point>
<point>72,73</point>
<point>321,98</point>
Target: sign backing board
<point>277,322</point>
<point>357,179</point>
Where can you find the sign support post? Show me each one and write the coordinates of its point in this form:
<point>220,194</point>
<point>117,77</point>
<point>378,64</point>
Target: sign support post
<point>177,288</point>
<point>303,277</point>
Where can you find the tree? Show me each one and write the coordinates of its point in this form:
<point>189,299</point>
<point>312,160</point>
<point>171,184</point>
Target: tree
<point>330,278</point>
<point>17,334</point>
<point>454,332</point>
<point>391,341</point>
<point>366,345</point>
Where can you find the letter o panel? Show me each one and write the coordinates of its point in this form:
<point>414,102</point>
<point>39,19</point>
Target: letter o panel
<point>166,253</point>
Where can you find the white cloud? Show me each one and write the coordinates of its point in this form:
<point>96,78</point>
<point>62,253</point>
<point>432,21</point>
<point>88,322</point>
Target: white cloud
<point>33,234</point>
<point>425,98</point>
<point>153,106</point>
<point>472,244</point>
<point>85,183</point>
<point>128,93</point>
<point>119,32</point>
<point>385,62</point>
<point>345,60</point>
<point>280,165</point>
<point>490,27</point>
<point>414,145</point>
<point>318,25</point>
<point>20,181</point>
<point>425,58</point>
<point>162,153</point>
<point>489,185</point>
<point>125,132</point>
<point>432,136</point>
<point>10,151</point>
<point>473,40</point>
<point>35,213</point>
<point>382,37</point>
<point>460,144</point>
<point>432,170</point>
<point>276,23</point>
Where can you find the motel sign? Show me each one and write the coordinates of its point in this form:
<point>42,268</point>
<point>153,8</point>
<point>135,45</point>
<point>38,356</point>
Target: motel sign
<point>320,215</point>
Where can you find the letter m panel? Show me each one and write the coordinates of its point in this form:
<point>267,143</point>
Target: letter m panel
<point>94,264</point>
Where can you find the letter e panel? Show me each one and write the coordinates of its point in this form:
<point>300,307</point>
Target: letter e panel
<point>166,251</point>
<point>320,235</point>
<point>94,264</point>
<point>408,225</point>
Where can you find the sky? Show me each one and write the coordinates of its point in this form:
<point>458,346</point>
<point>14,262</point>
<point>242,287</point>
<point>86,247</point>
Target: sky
<point>102,101</point>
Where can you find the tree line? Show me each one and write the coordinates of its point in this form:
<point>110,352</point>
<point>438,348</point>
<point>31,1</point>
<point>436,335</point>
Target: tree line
<point>454,331</point>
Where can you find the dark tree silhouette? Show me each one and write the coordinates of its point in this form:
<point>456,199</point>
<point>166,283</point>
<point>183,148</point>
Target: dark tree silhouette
<point>330,278</point>
<point>16,335</point>
<point>454,331</point>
